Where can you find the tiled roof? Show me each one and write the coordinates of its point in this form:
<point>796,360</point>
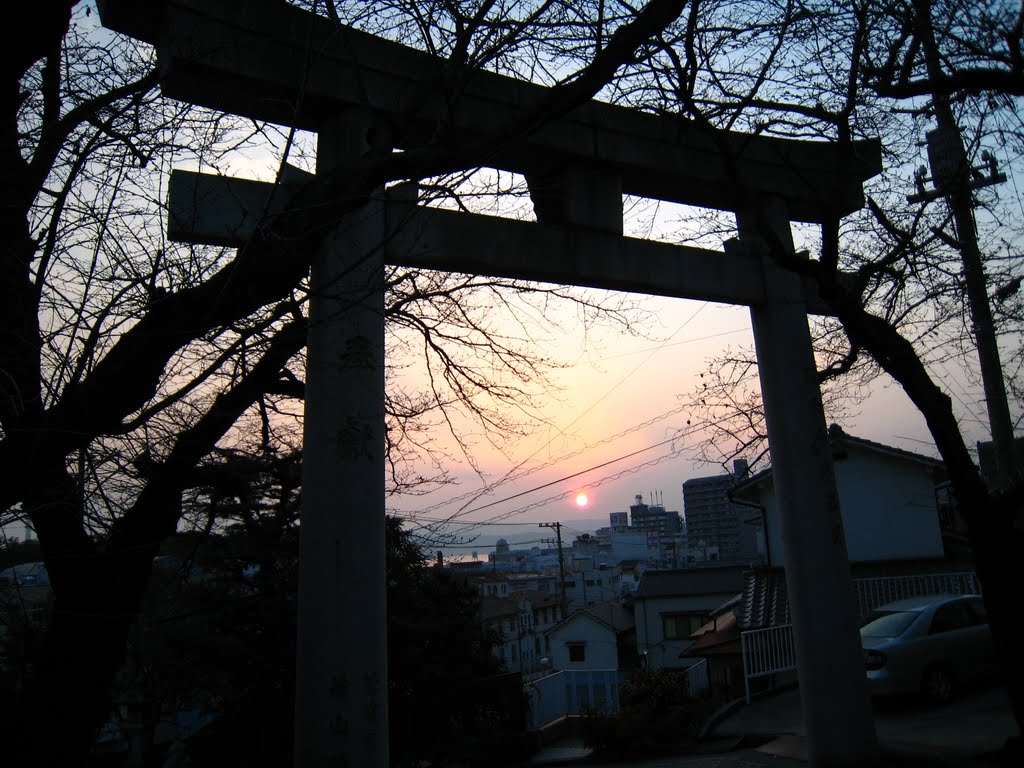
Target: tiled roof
<point>630,564</point>
<point>765,601</point>
<point>839,440</point>
<point>537,598</point>
<point>719,636</point>
<point>613,614</point>
<point>691,581</point>
<point>766,604</point>
<point>495,607</point>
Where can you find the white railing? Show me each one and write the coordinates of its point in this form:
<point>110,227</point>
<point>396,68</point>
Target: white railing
<point>771,650</point>
<point>571,692</point>
<point>767,651</point>
<point>872,593</point>
<point>697,678</point>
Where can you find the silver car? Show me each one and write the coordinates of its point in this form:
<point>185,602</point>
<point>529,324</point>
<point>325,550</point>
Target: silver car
<point>927,645</point>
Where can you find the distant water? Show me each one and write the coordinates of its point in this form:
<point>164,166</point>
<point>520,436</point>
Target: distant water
<point>483,539</point>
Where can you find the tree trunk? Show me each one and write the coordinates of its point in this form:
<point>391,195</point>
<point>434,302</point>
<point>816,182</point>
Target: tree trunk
<point>66,694</point>
<point>67,699</point>
<point>997,542</point>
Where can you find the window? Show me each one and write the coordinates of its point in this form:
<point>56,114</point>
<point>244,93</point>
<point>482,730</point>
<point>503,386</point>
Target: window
<point>950,617</point>
<point>977,609</point>
<point>680,626</point>
<point>577,651</point>
<point>888,624</point>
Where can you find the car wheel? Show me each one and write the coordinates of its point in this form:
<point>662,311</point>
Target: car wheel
<point>937,684</point>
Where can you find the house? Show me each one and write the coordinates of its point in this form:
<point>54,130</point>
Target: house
<point>501,616</point>
<point>492,585</point>
<point>897,535</point>
<point>631,573</point>
<point>887,499</point>
<point>532,582</point>
<point>669,606</point>
<point>718,643</point>
<point>589,585</point>
<point>545,612</point>
<point>520,622</point>
<point>599,637</point>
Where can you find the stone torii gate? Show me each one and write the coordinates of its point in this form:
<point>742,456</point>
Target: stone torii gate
<point>267,60</point>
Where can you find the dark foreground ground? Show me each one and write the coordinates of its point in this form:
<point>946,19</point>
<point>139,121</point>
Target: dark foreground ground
<point>967,733</point>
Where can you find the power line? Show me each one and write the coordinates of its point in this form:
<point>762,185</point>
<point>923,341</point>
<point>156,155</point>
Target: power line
<point>513,475</point>
<point>448,520</point>
<point>570,477</point>
<point>597,484</point>
<point>479,546</point>
<point>565,457</point>
<point>499,519</point>
<point>666,345</point>
<point>593,405</point>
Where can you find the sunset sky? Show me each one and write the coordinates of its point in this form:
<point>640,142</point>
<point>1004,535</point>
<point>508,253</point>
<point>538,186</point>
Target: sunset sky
<point>618,387</point>
<point>631,382</point>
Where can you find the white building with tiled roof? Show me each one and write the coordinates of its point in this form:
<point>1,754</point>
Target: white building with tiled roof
<point>601,637</point>
<point>887,499</point>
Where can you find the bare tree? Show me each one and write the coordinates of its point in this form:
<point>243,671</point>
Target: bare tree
<point>126,361</point>
<point>892,275</point>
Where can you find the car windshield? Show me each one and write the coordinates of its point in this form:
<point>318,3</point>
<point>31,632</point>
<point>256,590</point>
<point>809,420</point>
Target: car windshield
<point>888,623</point>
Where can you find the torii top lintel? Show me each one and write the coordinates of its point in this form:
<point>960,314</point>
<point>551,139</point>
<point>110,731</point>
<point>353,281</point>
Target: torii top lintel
<point>269,60</point>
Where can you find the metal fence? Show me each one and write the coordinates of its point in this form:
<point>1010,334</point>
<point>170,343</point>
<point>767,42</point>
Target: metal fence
<point>767,651</point>
<point>872,593</point>
<point>771,651</point>
<point>571,692</point>
<point>697,680</point>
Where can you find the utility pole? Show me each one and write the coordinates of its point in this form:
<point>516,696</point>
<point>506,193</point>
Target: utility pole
<point>955,178</point>
<point>561,564</point>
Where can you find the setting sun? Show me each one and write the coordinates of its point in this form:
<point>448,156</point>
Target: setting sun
<point>581,500</point>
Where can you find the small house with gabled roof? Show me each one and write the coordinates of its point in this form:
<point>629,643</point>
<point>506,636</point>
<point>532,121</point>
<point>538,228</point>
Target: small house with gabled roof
<point>669,606</point>
<point>599,637</point>
<point>887,499</point>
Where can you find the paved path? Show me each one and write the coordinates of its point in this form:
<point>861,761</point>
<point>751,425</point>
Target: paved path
<point>974,723</point>
<point>773,755</point>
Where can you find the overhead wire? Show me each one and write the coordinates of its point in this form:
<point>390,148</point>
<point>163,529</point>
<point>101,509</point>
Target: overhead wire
<point>468,526</point>
<point>514,472</point>
<point>511,474</point>
<point>565,457</point>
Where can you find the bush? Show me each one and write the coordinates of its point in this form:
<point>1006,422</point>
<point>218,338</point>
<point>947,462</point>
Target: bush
<point>657,716</point>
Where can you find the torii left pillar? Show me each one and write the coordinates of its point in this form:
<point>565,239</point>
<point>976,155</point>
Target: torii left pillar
<point>341,714</point>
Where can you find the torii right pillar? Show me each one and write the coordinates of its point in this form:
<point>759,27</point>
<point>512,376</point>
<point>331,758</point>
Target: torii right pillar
<point>833,686</point>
